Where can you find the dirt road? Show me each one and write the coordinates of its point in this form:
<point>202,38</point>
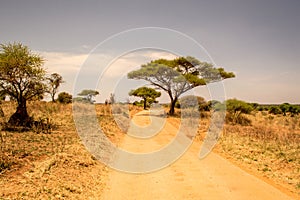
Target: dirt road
<point>187,178</point>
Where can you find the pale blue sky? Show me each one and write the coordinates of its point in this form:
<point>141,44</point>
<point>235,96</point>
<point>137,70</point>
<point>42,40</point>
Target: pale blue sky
<point>258,40</point>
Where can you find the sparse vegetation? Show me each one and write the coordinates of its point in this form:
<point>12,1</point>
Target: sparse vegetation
<point>48,162</point>
<point>270,146</point>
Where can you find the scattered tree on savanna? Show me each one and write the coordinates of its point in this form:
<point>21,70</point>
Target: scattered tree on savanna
<point>64,98</point>
<point>179,75</point>
<point>89,94</point>
<point>54,81</point>
<point>22,77</point>
<point>147,94</point>
<point>235,109</point>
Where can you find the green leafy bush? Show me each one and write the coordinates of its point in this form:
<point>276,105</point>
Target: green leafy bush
<point>64,97</point>
<point>236,111</point>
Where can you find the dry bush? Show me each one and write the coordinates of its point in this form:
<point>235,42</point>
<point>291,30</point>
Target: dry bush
<point>240,119</point>
<point>50,166</point>
<point>20,148</point>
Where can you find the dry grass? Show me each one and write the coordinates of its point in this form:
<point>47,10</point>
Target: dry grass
<point>56,165</point>
<point>270,147</point>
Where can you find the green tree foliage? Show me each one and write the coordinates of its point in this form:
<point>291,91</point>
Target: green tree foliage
<point>54,81</point>
<point>284,108</point>
<point>22,77</point>
<point>262,108</point>
<point>64,98</point>
<point>88,94</point>
<point>147,94</point>
<point>202,104</point>
<point>288,108</point>
<point>275,110</point>
<point>177,76</point>
<point>255,106</point>
<point>294,110</point>
<point>236,108</point>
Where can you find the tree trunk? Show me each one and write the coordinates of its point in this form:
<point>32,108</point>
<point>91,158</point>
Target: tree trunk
<point>172,106</point>
<point>145,103</point>
<point>53,97</point>
<point>20,117</point>
<point>1,112</point>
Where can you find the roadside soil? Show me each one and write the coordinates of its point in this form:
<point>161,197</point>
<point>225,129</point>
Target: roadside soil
<point>187,178</point>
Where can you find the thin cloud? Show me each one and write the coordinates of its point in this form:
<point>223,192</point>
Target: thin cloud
<point>134,60</point>
<point>63,62</point>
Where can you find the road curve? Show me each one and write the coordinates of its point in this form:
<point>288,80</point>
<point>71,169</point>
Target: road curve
<point>187,178</point>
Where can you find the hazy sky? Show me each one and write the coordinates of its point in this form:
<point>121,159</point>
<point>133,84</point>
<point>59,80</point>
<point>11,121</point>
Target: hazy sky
<point>258,40</point>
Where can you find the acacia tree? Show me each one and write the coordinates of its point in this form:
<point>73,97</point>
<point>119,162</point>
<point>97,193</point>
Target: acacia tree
<point>54,82</point>
<point>89,94</point>
<point>147,94</point>
<point>179,75</point>
<point>22,77</point>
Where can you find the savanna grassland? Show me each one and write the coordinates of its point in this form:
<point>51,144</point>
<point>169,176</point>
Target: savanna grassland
<point>51,164</point>
<point>268,147</point>
<point>55,165</point>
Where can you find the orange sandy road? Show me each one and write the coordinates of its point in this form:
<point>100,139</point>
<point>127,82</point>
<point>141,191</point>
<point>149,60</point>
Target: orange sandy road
<point>187,178</point>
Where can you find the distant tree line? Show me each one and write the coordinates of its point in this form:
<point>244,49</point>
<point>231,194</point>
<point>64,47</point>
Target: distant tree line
<point>281,109</point>
<point>238,109</point>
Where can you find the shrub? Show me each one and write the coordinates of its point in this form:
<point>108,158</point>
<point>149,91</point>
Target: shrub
<point>275,110</point>
<point>236,110</point>
<point>294,110</point>
<point>64,97</point>
<point>240,119</point>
